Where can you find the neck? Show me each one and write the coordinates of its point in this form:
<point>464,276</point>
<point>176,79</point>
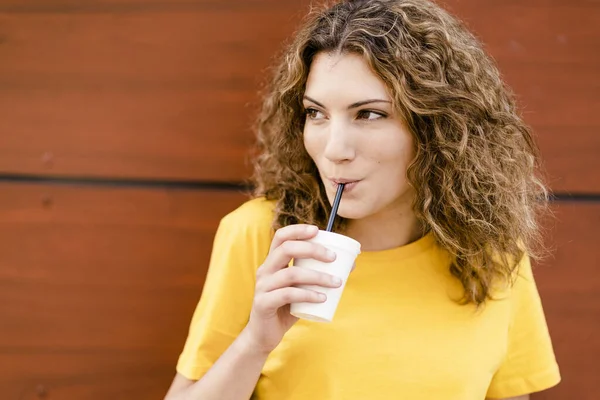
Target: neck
<point>386,230</point>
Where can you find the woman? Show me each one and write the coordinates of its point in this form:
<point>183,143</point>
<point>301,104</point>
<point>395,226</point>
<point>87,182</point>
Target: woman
<point>397,100</point>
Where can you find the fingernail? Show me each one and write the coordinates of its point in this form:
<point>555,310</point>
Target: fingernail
<point>337,281</point>
<point>322,297</point>
<point>312,229</point>
<point>331,254</point>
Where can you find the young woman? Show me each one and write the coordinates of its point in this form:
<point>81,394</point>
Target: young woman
<point>399,101</point>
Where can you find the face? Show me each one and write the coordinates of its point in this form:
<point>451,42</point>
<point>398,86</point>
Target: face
<point>354,136</point>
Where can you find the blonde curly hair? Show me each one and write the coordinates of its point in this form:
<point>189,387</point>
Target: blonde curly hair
<point>476,172</point>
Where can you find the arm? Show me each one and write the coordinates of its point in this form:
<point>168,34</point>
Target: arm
<point>233,376</point>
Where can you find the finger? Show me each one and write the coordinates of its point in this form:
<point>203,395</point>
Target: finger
<point>272,301</point>
<point>293,276</point>
<point>282,255</point>
<point>293,232</point>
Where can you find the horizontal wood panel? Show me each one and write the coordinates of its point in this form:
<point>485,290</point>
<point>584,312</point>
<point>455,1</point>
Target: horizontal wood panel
<point>93,6</point>
<point>159,134</point>
<point>571,165</point>
<point>550,98</point>
<point>541,51</point>
<point>141,49</point>
<point>42,205</point>
<point>550,31</point>
<point>569,284</point>
<point>81,374</point>
<point>156,93</point>
<point>97,286</point>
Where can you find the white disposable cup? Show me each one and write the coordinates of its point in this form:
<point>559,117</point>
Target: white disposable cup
<point>346,250</point>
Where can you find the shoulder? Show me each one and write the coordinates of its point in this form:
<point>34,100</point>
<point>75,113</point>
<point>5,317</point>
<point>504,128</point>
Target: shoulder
<point>251,222</point>
<point>256,213</point>
<point>248,230</point>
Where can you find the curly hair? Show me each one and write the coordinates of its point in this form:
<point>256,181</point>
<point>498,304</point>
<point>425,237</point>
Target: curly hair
<point>476,169</point>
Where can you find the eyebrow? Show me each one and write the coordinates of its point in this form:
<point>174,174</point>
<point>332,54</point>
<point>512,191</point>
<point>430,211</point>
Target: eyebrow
<point>353,105</point>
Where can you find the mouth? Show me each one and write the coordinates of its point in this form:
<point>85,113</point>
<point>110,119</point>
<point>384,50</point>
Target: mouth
<point>349,184</point>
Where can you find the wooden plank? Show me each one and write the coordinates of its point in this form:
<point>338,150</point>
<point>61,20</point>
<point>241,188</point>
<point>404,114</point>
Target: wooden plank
<point>97,286</point>
<point>193,134</point>
<point>83,374</point>
<point>125,50</point>
<point>551,98</point>
<point>571,165</point>
<point>553,32</point>
<point>560,108</point>
<point>570,288</point>
<point>542,48</point>
<point>93,6</point>
<point>113,95</point>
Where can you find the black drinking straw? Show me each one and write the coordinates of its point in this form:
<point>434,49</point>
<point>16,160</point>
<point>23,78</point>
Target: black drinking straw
<point>334,208</point>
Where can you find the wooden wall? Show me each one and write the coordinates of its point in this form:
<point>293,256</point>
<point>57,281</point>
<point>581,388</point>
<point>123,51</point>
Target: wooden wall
<point>122,122</point>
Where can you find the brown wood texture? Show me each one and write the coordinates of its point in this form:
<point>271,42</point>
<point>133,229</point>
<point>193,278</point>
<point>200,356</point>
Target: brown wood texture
<point>168,89</point>
<point>157,93</point>
<point>569,284</point>
<point>97,286</point>
<point>543,49</point>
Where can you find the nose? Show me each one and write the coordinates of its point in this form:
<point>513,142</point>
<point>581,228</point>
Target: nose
<point>339,147</point>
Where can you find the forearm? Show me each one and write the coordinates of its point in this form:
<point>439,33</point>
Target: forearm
<point>233,376</point>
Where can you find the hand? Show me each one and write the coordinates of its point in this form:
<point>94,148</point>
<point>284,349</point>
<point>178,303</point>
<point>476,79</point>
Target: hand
<point>275,290</point>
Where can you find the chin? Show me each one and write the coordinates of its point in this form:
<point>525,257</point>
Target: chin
<point>349,211</point>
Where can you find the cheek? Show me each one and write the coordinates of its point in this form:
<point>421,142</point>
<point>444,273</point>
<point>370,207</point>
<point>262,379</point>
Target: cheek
<point>393,158</point>
<point>391,150</point>
<point>405,147</point>
<point>311,144</point>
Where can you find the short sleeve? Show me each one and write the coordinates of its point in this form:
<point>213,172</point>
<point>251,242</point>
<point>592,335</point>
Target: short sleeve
<point>530,365</point>
<point>240,245</point>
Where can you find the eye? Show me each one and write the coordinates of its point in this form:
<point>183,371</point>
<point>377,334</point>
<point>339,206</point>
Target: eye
<point>370,115</point>
<point>314,114</point>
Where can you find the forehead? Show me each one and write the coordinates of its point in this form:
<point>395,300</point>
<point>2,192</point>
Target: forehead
<point>343,76</point>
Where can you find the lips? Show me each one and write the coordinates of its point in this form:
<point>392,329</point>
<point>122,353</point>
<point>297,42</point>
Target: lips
<point>349,184</point>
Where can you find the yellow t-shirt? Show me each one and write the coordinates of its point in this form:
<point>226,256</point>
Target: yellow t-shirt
<point>398,332</point>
